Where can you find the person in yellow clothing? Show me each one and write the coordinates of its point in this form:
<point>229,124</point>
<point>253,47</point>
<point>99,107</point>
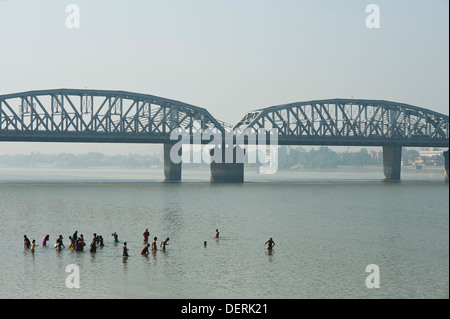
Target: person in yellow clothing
<point>154,246</point>
<point>33,244</point>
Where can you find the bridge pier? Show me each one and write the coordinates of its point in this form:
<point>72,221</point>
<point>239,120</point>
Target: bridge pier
<point>446,166</point>
<point>392,162</point>
<point>172,171</point>
<point>232,172</point>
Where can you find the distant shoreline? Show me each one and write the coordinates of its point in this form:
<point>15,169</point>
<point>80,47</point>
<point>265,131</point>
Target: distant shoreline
<point>409,168</point>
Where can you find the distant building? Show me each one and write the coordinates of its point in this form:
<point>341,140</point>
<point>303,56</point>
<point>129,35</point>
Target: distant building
<point>431,157</point>
<point>378,156</point>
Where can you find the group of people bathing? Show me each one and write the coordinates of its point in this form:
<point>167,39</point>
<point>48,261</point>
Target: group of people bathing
<point>145,250</point>
<point>78,243</point>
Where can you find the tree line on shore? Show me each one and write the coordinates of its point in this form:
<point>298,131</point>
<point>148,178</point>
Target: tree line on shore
<point>288,157</point>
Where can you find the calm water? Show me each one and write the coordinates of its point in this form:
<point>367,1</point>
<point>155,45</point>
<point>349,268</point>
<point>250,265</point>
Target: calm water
<point>327,226</point>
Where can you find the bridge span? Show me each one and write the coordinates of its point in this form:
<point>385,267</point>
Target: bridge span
<point>104,116</point>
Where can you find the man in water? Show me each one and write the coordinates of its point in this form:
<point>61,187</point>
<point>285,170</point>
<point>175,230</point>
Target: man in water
<point>270,244</point>
<point>154,246</point>
<point>217,233</point>
<point>116,237</point>
<point>144,251</point>
<point>125,249</point>
<point>164,243</point>
<point>59,243</point>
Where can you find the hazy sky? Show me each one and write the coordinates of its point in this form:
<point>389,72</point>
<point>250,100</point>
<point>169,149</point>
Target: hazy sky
<point>230,56</point>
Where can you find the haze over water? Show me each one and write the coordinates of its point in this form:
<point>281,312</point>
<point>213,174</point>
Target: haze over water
<point>327,226</point>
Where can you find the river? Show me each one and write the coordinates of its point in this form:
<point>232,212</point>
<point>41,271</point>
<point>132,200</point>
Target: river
<point>328,226</point>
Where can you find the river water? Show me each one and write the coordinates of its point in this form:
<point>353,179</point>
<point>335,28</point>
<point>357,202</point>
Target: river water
<point>328,226</point>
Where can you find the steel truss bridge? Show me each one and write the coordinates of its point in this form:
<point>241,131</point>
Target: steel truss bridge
<point>351,122</point>
<point>67,115</point>
<point>102,116</point>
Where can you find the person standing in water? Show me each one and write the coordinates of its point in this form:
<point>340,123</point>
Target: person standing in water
<point>72,243</point>
<point>26,242</point>
<point>93,247</point>
<point>79,245</point>
<point>100,239</point>
<point>82,242</point>
<point>33,244</point>
<point>154,246</point>
<point>116,237</point>
<point>125,249</point>
<point>59,243</point>
<point>146,234</point>
<point>270,244</point>
<point>164,243</point>
<point>217,233</point>
<point>144,251</point>
<point>44,241</point>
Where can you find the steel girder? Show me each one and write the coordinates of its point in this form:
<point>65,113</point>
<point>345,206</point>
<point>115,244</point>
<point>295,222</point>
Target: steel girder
<point>70,115</point>
<point>351,122</point>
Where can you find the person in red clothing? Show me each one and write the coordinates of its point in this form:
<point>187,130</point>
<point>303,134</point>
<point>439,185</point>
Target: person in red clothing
<point>26,242</point>
<point>146,234</point>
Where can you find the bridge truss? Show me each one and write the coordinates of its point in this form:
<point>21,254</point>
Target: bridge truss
<point>351,122</point>
<point>68,115</point>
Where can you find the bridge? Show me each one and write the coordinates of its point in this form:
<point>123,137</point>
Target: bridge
<point>103,116</point>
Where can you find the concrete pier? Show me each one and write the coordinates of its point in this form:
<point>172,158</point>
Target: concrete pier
<point>172,171</point>
<point>228,172</point>
<point>392,162</point>
<point>446,165</point>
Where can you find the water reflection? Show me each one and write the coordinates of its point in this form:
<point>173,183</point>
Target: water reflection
<point>269,254</point>
<point>172,214</point>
